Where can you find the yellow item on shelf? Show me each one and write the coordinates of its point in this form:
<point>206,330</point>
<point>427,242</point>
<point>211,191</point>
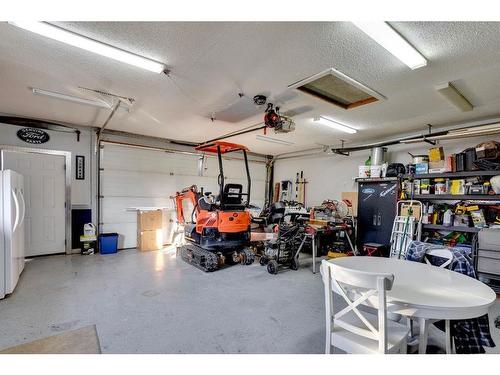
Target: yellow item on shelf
<point>457,187</point>
<point>436,154</point>
<point>332,254</point>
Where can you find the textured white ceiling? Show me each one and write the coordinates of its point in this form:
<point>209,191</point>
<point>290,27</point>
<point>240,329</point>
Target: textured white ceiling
<point>212,62</point>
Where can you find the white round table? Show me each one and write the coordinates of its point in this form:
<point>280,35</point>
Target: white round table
<point>426,292</point>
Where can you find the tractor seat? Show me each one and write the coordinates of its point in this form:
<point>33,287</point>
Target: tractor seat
<point>205,204</point>
<point>233,197</point>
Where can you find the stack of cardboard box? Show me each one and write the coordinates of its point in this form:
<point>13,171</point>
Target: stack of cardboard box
<point>149,230</point>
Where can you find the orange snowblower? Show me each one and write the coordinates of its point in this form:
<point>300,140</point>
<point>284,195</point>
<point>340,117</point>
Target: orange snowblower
<point>217,227</point>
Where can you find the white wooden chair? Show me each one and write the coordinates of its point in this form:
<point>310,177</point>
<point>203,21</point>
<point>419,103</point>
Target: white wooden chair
<point>353,330</point>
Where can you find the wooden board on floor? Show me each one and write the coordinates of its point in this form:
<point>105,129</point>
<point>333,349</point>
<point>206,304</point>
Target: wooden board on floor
<point>80,341</point>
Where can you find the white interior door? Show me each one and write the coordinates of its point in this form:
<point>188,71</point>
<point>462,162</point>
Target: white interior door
<point>44,193</point>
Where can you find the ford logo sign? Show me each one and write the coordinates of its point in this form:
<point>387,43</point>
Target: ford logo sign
<point>33,135</point>
<point>368,191</point>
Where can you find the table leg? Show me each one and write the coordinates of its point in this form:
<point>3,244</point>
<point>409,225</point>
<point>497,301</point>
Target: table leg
<point>314,252</point>
<point>424,330</point>
<point>448,337</point>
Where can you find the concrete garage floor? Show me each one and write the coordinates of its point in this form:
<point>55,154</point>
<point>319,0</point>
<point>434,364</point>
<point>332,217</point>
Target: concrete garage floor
<point>155,303</point>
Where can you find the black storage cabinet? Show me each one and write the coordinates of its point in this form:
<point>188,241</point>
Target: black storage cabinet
<point>377,206</point>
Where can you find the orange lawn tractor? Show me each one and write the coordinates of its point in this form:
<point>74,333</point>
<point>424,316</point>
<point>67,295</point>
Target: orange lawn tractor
<point>217,228</point>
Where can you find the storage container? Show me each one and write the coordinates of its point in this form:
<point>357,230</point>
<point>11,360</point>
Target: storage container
<point>108,243</point>
<point>489,239</point>
<point>364,171</point>
<point>489,262</point>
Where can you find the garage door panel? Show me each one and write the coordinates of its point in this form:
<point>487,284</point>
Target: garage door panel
<point>135,159</point>
<point>114,210</point>
<point>133,177</point>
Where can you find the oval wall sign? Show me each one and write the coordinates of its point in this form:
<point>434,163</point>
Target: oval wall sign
<point>33,135</point>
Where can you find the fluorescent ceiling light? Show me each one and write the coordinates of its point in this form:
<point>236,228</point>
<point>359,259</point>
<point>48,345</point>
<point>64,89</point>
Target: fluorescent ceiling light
<point>454,96</point>
<point>387,37</point>
<point>273,140</point>
<point>75,40</point>
<point>335,125</point>
<point>74,99</point>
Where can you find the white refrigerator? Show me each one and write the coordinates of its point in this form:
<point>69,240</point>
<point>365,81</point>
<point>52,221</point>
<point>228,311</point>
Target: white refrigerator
<point>12,214</point>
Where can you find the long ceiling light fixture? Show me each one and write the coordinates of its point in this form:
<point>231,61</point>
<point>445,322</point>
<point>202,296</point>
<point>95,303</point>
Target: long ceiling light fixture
<point>273,140</point>
<point>334,125</point>
<point>74,99</point>
<point>387,37</point>
<point>79,41</point>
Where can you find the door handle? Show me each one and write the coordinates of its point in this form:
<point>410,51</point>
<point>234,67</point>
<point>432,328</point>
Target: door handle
<point>21,194</point>
<point>16,203</point>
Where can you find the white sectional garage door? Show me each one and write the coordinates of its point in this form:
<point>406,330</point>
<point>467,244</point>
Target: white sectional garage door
<point>136,177</point>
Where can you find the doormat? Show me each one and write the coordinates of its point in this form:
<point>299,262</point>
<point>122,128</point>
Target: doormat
<point>80,341</point>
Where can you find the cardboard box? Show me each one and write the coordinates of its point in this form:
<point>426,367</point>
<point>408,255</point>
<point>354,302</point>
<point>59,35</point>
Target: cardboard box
<point>416,211</point>
<point>437,165</point>
<point>351,196</point>
<point>149,220</point>
<point>148,240</point>
<point>262,236</point>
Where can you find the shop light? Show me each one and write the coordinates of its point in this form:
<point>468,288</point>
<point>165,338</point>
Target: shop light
<point>79,41</point>
<point>387,37</point>
<point>335,125</point>
<point>75,99</point>
<point>70,98</point>
<point>273,140</point>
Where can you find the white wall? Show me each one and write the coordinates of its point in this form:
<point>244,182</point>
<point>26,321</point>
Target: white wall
<point>62,141</point>
<point>329,175</point>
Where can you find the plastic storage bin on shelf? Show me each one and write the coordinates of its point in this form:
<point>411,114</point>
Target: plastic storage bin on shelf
<point>108,243</point>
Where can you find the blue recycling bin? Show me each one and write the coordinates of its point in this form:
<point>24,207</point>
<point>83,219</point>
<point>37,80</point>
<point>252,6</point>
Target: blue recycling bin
<point>108,243</point>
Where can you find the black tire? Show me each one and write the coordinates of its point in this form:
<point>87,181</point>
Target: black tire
<point>272,267</point>
<point>263,261</point>
<point>294,265</point>
<point>247,257</point>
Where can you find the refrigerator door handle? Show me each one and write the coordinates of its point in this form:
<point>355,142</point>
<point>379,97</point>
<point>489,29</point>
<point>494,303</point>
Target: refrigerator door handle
<point>16,202</point>
<point>21,195</point>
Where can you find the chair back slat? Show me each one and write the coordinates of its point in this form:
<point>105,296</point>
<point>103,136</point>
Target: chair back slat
<point>360,279</point>
<point>440,253</point>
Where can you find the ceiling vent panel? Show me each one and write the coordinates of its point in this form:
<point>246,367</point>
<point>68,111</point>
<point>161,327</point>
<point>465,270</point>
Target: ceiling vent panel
<point>337,88</point>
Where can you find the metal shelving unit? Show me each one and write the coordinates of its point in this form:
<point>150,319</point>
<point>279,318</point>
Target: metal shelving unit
<point>379,179</point>
<point>451,228</point>
<point>448,197</point>
<point>453,174</point>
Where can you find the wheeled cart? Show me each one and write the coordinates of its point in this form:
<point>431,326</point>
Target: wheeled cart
<point>284,251</point>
